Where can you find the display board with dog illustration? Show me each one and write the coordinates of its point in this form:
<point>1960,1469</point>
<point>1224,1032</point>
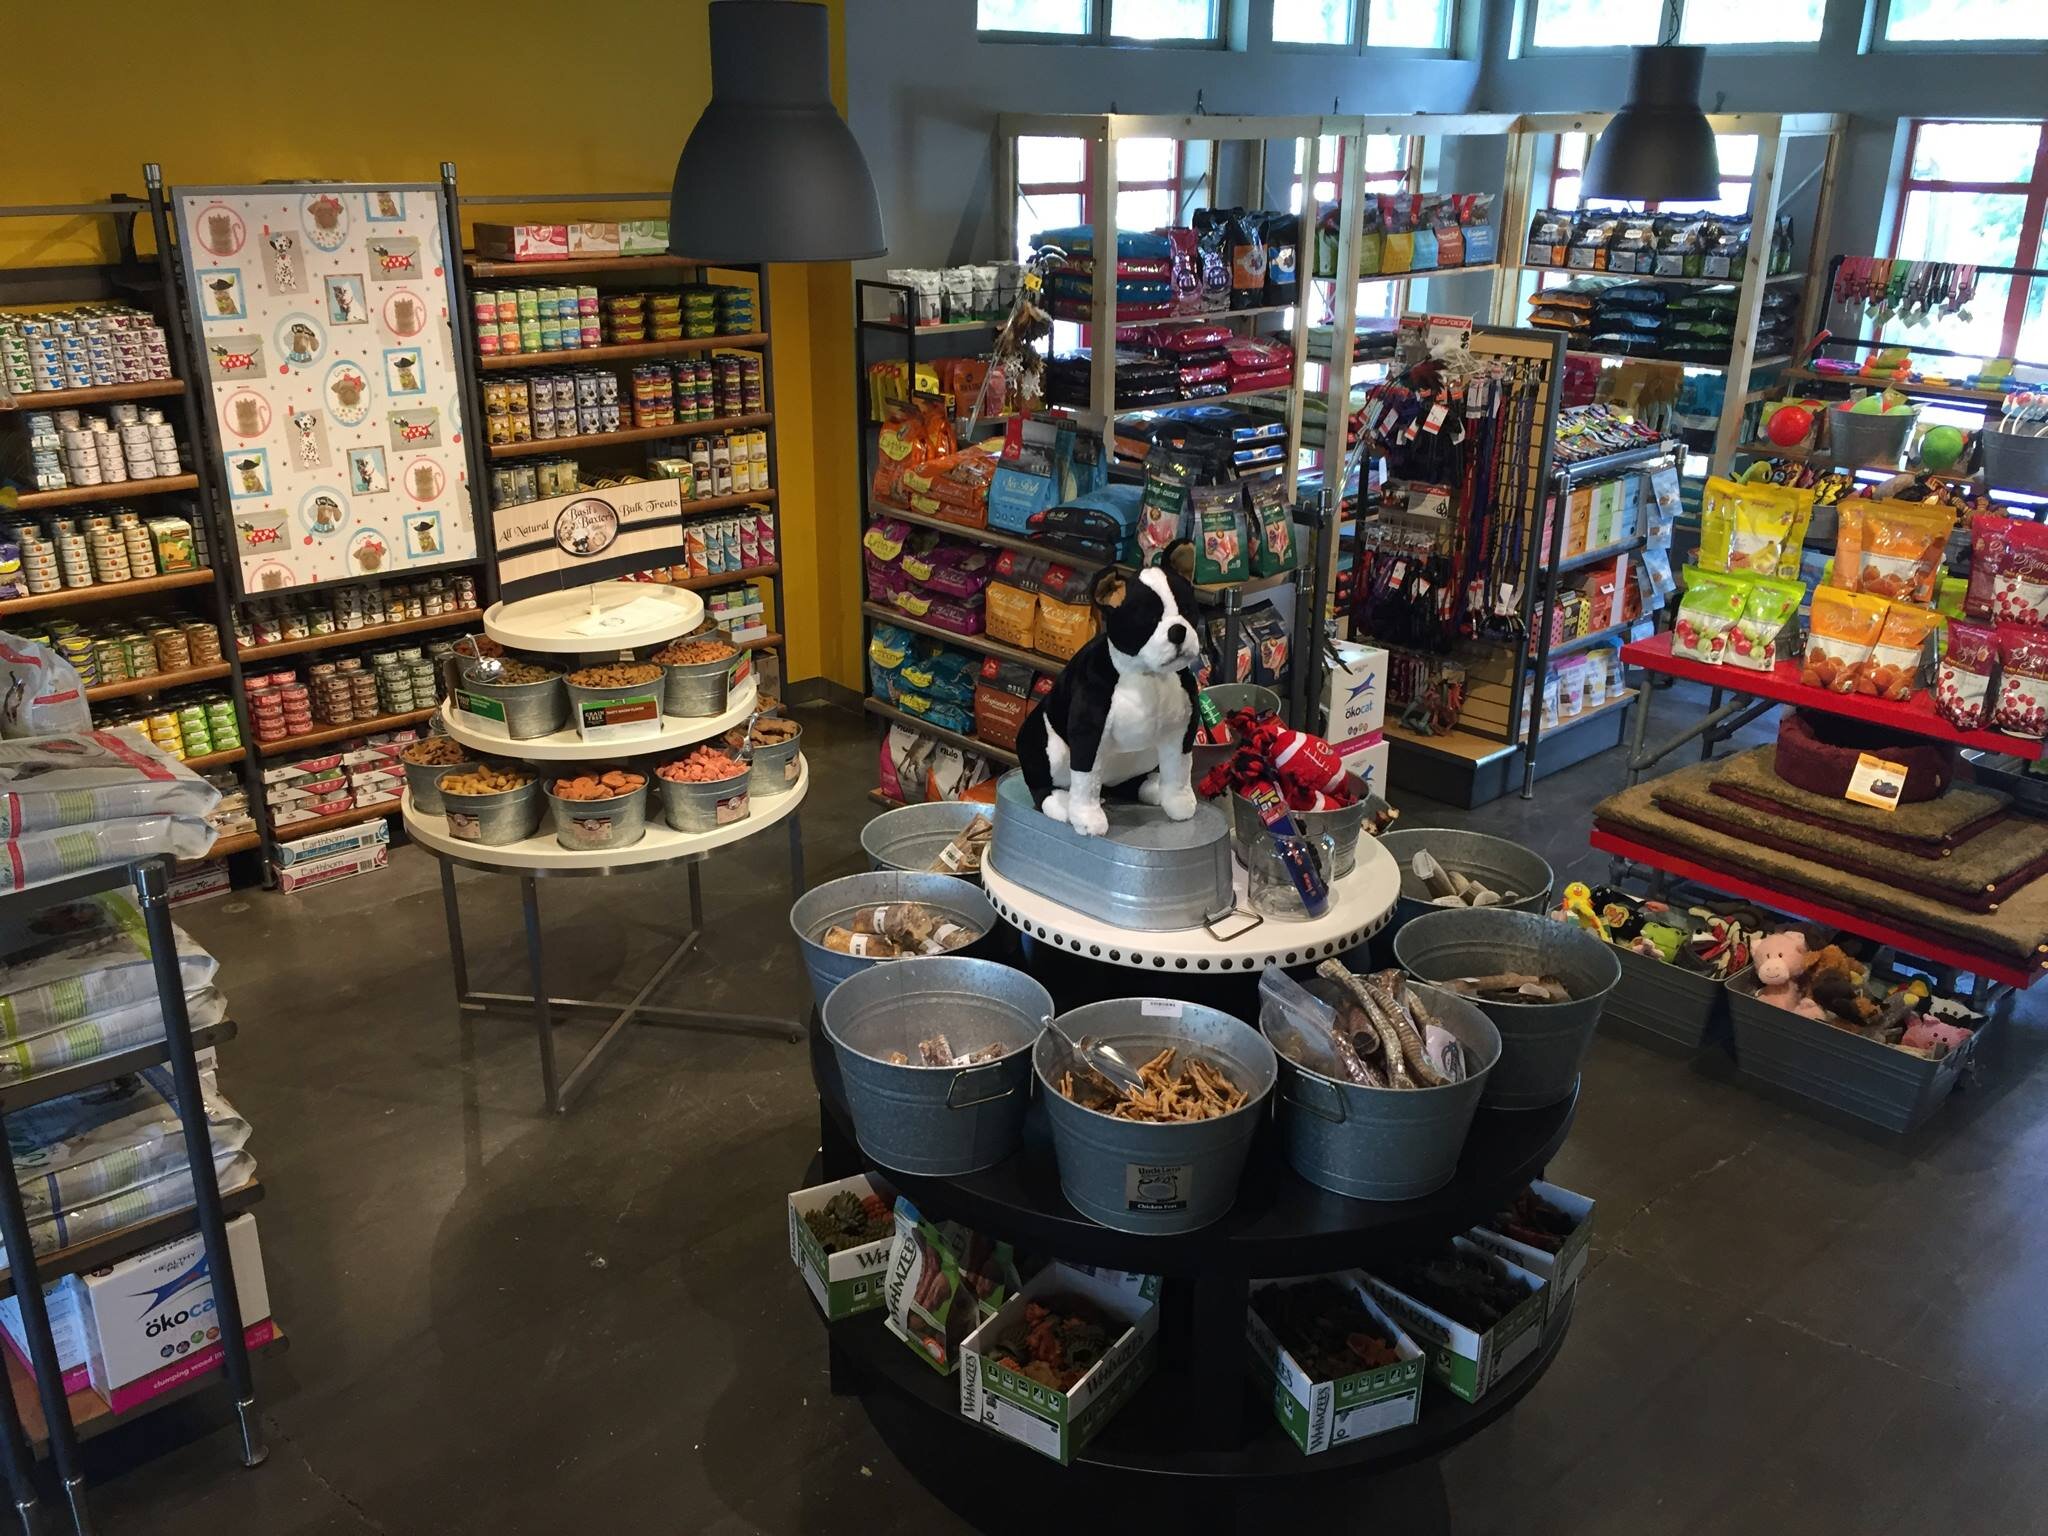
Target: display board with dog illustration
<point>325,334</point>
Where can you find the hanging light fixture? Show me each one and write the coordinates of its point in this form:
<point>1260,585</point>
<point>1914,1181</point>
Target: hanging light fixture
<point>1659,146</point>
<point>771,172</point>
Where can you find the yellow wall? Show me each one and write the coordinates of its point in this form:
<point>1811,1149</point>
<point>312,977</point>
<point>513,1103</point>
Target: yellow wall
<point>523,96</point>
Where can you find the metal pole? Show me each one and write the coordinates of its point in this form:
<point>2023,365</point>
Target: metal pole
<point>42,1349</point>
<point>543,1013</point>
<point>153,896</point>
<point>19,1464</point>
<point>462,330</point>
<point>1537,677</point>
<point>796,854</point>
<point>458,957</point>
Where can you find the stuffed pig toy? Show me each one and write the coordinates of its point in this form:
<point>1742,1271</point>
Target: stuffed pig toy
<point>1781,960</point>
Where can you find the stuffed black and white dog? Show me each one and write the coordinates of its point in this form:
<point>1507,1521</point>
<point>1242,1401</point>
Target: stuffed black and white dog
<point>1124,707</point>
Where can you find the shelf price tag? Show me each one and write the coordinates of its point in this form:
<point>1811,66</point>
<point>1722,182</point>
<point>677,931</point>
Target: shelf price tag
<point>1877,782</point>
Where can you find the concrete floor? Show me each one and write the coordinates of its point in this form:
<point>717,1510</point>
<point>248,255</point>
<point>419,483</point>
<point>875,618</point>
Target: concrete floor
<point>507,1323</point>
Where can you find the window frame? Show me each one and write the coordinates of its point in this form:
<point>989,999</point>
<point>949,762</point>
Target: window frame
<point>1527,47</point>
<point>1101,32</point>
<point>1879,23</point>
<point>1177,184</point>
<point>1361,37</point>
<point>1558,173</point>
<point>2030,249</point>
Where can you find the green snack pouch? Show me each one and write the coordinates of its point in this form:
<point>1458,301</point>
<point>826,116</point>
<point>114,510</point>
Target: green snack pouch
<point>1219,534</point>
<point>1753,642</point>
<point>1272,529</point>
<point>1712,603</point>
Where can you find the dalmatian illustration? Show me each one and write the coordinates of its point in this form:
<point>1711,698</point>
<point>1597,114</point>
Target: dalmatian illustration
<point>284,262</point>
<point>311,451</point>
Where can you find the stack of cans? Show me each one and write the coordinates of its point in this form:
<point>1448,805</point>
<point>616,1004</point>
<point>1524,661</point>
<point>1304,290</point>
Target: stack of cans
<point>68,449</point>
<point>510,321</point>
<point>82,347</point>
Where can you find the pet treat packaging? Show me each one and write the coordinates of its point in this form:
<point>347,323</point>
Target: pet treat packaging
<point>2022,707</point>
<point>2020,588</point>
<point>1713,601</point>
<point>1163,512</point>
<point>850,1280</point>
<point>1220,554</point>
<point>1842,633</point>
<point>1562,1260</point>
<point>1467,1361</point>
<point>1320,1414</point>
<point>1893,549</point>
<point>1066,616</point>
<point>1988,531</point>
<point>1962,682</point>
<point>1893,671</point>
<point>1272,530</point>
<point>944,1281</point>
<point>1768,602</point>
<point>1754,530</point>
<point>44,694</point>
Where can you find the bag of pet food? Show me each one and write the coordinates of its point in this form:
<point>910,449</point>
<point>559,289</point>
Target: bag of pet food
<point>916,431</point>
<point>1988,532</point>
<point>87,958</point>
<point>1841,635</point>
<point>944,1281</point>
<point>1163,512</point>
<point>1372,240</point>
<point>904,755</point>
<point>1713,601</point>
<point>2020,589</point>
<point>1281,231</point>
<point>1893,549</point>
<point>1397,237</point>
<point>1962,682</point>
<point>1893,671</point>
<point>1218,512</point>
<point>2022,707</point>
<point>48,782</point>
<point>1227,666</point>
<point>1272,530</point>
<point>1266,633</point>
<point>1769,602</point>
<point>1753,530</point>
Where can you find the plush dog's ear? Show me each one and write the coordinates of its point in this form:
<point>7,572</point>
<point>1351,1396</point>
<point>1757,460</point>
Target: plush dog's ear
<point>1110,587</point>
<point>1180,559</point>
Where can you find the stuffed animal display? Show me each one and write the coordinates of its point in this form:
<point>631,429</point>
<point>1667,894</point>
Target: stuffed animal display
<point>1781,962</point>
<point>1831,985</point>
<point>1124,707</point>
<point>1711,943</point>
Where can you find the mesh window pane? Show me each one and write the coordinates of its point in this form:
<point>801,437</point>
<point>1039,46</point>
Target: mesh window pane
<point>1061,18</point>
<point>1313,21</point>
<point>1975,151</point>
<point>1144,210</point>
<point>1043,160</point>
<point>1144,160</point>
<point>1980,21</point>
<point>1597,23</point>
<point>1163,20</point>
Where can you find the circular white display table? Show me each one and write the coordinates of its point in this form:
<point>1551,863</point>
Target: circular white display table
<point>630,615</point>
<point>542,855</point>
<point>1360,906</point>
<point>566,746</point>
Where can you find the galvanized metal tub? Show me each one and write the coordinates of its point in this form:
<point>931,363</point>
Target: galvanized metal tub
<point>937,1121</point>
<point>1542,1044</point>
<point>1147,872</point>
<point>692,689</point>
<point>1497,862</point>
<point>707,806</point>
<point>912,836</point>
<point>1666,1001</point>
<point>531,709</point>
<point>424,781</point>
<point>775,766</point>
<point>510,816</point>
<point>1869,441</point>
<point>1227,697</point>
<point>1383,1143</point>
<point>836,901</point>
<point>1341,826</point>
<point>591,824</point>
<point>1138,1177</point>
<point>2015,461</point>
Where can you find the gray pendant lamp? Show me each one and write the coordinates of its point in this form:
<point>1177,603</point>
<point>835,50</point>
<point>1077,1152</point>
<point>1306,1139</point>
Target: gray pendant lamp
<point>771,172</point>
<point>1659,147</point>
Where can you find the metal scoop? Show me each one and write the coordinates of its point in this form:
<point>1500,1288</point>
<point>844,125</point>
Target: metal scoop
<point>476,666</point>
<point>1103,1059</point>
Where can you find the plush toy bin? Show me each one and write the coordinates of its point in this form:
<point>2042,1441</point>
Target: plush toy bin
<point>1146,873</point>
<point>1867,1079</point>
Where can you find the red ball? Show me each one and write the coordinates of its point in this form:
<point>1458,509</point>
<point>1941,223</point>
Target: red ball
<point>1789,425</point>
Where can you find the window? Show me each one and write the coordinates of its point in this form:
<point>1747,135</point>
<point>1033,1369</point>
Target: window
<point>1948,22</point>
<point>1974,192</point>
<point>1380,23</point>
<point>1159,182</point>
<point>1386,170</point>
<point>1101,21</point>
<point>1631,23</point>
<point>1738,166</point>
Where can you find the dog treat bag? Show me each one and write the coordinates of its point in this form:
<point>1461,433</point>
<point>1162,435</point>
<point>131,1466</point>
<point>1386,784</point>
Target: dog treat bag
<point>1768,603</point>
<point>1219,534</point>
<point>1893,549</point>
<point>1272,529</point>
<point>2022,707</point>
<point>1988,532</point>
<point>1844,631</point>
<point>1893,671</point>
<point>1162,514</point>
<point>1962,683</point>
<point>1752,530</point>
<point>2020,587</point>
<point>1713,601</point>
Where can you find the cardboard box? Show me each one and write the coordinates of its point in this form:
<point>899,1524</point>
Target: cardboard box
<point>1368,759</point>
<point>340,866</point>
<point>1051,1422</point>
<point>64,1300</point>
<point>154,1313</point>
<point>842,1283</point>
<point>522,242</point>
<point>1606,514</point>
<point>199,883</point>
<point>323,845</point>
<point>1320,1414</point>
<point>596,237</point>
<point>1560,1270</point>
<point>1355,697</point>
<point>1465,1361</point>
<point>1578,520</point>
<point>643,237</point>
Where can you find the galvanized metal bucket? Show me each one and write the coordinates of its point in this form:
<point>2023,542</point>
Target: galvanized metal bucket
<point>836,901</point>
<point>593,824</point>
<point>1228,697</point>
<point>937,1121</point>
<point>1667,1001</point>
<point>1869,441</point>
<point>510,816</point>
<point>1341,826</point>
<point>1493,861</point>
<point>912,836</point>
<point>424,780</point>
<point>693,689</point>
<point>1138,1177</point>
<point>707,806</point>
<point>1542,1044</point>
<point>2015,461</point>
<point>775,766</point>
<point>531,709</point>
<point>1383,1143</point>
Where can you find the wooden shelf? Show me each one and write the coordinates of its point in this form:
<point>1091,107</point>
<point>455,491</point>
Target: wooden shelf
<point>578,266</point>
<point>368,636</point>
<point>1651,277</point>
<point>620,352</point>
<point>1962,393</point>
<point>537,446</point>
<point>334,823</point>
<point>885,800</point>
<point>105,592</point>
<point>91,1414</point>
<point>1675,362</point>
<point>227,847</point>
<point>1050,666</point>
<point>965,743</point>
<point>92,394</point>
<point>81,495</point>
<point>772,641</point>
<point>724,578</point>
<point>349,732</point>
<point>216,759</point>
<point>705,504</point>
<point>156,682</point>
